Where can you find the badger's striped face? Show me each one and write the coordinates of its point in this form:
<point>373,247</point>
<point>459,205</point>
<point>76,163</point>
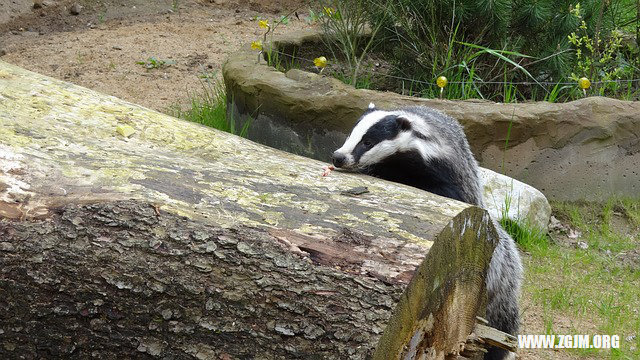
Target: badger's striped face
<point>380,134</point>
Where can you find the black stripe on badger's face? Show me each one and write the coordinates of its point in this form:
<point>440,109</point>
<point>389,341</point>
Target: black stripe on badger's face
<point>385,129</point>
<point>371,139</point>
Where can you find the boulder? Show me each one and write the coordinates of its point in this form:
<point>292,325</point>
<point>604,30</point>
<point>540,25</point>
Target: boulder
<point>505,196</point>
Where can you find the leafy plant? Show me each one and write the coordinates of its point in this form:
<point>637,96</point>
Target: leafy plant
<point>313,17</point>
<point>284,20</point>
<point>590,55</point>
<point>155,63</point>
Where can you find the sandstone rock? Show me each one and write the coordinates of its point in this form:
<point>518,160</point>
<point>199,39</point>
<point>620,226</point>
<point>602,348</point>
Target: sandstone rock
<point>587,149</point>
<point>503,195</point>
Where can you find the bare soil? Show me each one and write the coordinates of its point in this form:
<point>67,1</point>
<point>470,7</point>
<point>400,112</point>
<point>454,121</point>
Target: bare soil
<point>99,48</point>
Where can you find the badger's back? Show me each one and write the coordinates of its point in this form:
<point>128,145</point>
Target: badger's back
<point>451,135</point>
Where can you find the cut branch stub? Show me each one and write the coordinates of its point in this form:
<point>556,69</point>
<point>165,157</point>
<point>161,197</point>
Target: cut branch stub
<point>438,310</point>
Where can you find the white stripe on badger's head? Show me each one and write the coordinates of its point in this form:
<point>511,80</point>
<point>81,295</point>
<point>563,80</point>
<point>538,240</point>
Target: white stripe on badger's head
<point>379,134</point>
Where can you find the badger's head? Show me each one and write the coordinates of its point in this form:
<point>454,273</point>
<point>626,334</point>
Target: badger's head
<point>380,134</point>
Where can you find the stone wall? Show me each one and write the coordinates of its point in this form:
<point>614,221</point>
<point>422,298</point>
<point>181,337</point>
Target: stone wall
<point>587,149</point>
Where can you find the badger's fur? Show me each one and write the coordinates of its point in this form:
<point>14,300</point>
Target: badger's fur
<point>424,148</point>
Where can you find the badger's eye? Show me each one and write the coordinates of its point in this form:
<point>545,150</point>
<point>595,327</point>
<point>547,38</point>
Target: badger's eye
<point>367,143</point>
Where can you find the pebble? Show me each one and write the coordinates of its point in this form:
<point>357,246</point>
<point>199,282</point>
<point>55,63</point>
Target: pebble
<point>75,9</point>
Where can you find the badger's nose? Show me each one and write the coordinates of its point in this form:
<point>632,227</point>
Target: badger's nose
<point>338,159</point>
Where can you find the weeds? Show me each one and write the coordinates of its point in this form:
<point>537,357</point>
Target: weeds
<point>210,109</point>
<point>155,63</point>
<point>363,82</point>
<point>284,20</point>
<point>518,52</point>
<point>527,236</point>
<point>349,33</point>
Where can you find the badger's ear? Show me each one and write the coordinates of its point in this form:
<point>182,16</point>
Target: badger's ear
<point>403,123</point>
<point>372,106</point>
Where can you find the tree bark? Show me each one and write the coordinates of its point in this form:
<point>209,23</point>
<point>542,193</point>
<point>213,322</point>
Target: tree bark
<point>185,242</point>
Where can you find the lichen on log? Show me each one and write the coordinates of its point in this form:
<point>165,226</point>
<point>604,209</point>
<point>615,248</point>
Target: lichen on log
<point>181,241</point>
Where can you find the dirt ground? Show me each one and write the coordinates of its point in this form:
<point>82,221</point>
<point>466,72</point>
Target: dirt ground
<point>99,48</point>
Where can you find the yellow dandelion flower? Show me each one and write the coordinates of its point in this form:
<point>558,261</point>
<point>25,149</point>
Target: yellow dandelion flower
<point>441,81</point>
<point>584,83</point>
<point>320,62</point>
<point>329,11</point>
<point>264,24</point>
<point>256,45</point>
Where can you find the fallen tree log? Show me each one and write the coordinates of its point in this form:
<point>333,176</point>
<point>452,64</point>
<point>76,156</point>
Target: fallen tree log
<point>180,241</point>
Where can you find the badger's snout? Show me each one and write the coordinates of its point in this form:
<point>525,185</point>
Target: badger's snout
<point>338,159</point>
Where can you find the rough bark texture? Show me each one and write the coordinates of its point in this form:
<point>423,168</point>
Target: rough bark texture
<point>120,280</point>
<point>182,242</point>
<point>123,280</point>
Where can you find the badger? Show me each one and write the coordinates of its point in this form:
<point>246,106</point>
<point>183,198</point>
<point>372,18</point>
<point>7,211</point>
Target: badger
<point>423,148</point>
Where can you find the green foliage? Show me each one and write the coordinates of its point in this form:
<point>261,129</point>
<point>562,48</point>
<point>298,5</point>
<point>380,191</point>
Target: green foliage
<point>210,109</point>
<point>525,235</point>
<point>273,56</point>
<point>487,48</point>
<point>363,82</point>
<point>350,35</point>
<point>313,17</point>
<point>284,20</point>
<point>562,278</point>
<point>595,58</point>
<point>155,63</point>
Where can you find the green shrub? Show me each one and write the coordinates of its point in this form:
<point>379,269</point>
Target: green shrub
<point>481,44</point>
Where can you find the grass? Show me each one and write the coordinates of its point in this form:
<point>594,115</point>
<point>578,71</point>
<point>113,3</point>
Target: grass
<point>421,51</point>
<point>585,291</point>
<point>362,82</point>
<point>155,63</point>
<point>210,109</point>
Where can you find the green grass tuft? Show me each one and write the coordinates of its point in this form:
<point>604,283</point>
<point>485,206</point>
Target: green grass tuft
<point>210,109</point>
<point>528,237</point>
